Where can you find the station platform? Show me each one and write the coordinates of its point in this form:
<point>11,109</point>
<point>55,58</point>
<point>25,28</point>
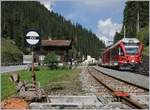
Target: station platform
<point>133,78</point>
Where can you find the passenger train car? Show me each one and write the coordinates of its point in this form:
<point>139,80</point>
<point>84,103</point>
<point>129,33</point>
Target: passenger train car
<point>125,54</point>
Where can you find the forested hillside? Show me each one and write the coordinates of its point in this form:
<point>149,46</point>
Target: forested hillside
<point>10,52</point>
<point>17,16</point>
<point>130,18</point>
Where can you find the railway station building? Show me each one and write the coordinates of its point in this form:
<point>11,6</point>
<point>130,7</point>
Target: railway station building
<point>60,47</point>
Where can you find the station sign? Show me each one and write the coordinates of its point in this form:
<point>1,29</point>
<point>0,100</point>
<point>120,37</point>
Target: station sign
<point>27,59</point>
<point>32,38</point>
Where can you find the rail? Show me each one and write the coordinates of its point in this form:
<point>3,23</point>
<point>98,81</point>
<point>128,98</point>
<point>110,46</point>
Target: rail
<point>127,100</point>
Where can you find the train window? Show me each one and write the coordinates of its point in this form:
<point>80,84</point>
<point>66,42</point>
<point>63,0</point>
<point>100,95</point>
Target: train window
<point>132,51</point>
<point>120,52</point>
<point>133,44</point>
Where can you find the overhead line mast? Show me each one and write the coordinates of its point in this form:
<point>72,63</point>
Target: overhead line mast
<point>138,25</point>
<point>124,31</point>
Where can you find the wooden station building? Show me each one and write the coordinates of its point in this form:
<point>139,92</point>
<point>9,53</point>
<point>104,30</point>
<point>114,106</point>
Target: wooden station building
<point>60,47</point>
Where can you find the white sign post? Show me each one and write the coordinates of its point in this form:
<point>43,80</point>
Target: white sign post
<point>32,39</point>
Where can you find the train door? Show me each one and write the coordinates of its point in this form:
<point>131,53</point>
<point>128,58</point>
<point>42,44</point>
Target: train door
<point>121,56</point>
<point>107,56</point>
<point>120,53</point>
<point>110,57</point>
<point>114,56</point>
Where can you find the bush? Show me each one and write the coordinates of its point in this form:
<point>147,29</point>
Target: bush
<point>51,60</point>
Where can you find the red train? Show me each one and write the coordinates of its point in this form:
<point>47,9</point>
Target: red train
<point>125,54</point>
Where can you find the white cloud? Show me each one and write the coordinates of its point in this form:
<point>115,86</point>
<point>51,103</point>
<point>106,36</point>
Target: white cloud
<point>48,4</point>
<point>106,30</point>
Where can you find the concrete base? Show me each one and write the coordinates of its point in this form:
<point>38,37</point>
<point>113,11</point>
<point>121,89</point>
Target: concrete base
<point>116,105</point>
<point>69,102</point>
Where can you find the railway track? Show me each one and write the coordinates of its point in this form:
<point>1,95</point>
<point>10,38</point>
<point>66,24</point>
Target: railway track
<point>123,91</point>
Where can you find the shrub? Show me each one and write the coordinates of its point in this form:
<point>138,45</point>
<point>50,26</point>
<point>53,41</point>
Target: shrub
<point>51,60</point>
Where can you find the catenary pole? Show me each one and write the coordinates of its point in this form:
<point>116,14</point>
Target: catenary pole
<point>124,31</point>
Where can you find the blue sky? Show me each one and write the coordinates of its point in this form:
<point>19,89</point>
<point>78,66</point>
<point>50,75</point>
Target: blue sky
<point>103,17</point>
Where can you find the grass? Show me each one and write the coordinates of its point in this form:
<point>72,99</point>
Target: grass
<point>44,76</point>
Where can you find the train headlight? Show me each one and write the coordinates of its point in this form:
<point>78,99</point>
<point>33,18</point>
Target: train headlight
<point>115,63</point>
<point>132,61</point>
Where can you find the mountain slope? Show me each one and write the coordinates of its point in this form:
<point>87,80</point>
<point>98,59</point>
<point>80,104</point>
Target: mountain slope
<point>17,16</point>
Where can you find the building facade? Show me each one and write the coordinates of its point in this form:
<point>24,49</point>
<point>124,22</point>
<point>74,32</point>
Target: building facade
<point>60,47</point>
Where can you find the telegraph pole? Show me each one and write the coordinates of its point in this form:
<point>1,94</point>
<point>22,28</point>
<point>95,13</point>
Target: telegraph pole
<point>138,27</point>
<point>124,31</point>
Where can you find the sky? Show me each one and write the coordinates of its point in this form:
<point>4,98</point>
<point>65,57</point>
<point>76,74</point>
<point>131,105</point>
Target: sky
<point>102,17</point>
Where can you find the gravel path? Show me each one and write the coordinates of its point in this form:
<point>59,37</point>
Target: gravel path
<point>90,86</point>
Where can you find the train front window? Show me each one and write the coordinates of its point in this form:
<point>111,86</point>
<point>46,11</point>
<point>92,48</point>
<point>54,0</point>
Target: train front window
<point>131,51</point>
<point>131,44</point>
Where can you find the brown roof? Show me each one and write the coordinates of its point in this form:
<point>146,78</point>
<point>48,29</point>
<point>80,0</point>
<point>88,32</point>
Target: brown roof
<point>56,42</point>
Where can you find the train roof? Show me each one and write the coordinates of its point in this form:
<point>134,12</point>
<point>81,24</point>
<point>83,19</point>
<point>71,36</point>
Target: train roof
<point>124,40</point>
